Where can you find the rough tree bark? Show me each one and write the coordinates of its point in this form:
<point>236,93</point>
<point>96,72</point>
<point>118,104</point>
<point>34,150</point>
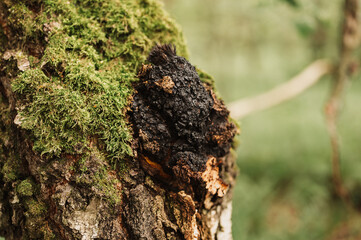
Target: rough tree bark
<point>95,145</point>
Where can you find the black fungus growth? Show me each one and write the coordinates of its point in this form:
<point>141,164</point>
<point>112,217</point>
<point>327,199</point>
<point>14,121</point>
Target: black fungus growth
<point>176,118</point>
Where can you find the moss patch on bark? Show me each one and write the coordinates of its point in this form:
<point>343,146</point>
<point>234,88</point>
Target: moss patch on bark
<point>79,83</point>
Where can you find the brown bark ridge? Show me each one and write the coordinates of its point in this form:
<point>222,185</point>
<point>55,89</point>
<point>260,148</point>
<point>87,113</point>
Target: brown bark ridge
<point>99,142</point>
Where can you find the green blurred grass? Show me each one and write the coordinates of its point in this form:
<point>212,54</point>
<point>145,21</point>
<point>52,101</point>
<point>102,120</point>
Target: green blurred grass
<point>284,188</point>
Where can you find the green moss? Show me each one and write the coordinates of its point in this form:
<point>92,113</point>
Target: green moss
<point>108,186</point>
<point>205,77</point>
<point>24,20</point>
<point>103,183</point>
<point>80,87</point>
<point>21,18</point>
<point>35,223</point>
<point>93,171</point>
<point>11,168</point>
<point>25,188</point>
<point>35,208</point>
<point>8,172</point>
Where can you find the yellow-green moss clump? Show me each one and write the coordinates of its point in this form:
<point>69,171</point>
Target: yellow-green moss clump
<point>78,85</point>
<point>25,188</point>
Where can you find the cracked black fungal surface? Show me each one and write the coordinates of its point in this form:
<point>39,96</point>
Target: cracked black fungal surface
<point>177,119</point>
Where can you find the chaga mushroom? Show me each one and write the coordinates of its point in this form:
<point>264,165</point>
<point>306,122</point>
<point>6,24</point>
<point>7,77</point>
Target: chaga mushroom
<point>182,129</point>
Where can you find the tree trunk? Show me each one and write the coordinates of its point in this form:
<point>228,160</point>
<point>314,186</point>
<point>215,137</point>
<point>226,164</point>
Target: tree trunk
<point>92,149</point>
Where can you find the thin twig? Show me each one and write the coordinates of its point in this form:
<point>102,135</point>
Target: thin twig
<point>349,41</point>
<point>286,91</point>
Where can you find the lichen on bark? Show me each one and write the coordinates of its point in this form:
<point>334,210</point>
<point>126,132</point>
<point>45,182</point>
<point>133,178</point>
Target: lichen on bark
<point>68,164</point>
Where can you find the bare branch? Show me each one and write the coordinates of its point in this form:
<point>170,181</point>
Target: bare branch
<point>349,42</point>
<point>286,91</point>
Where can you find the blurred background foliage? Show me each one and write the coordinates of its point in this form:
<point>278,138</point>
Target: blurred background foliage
<point>284,188</point>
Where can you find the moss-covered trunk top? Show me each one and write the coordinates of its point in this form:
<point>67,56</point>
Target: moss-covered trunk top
<point>76,82</point>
